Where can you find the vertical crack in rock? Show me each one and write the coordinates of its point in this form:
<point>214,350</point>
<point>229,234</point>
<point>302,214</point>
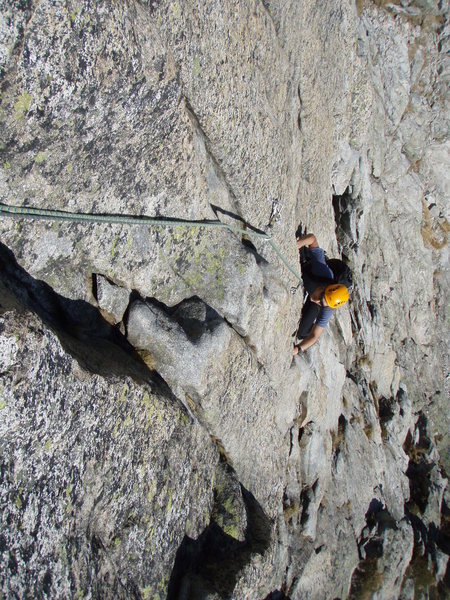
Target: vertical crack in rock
<point>215,176</point>
<point>338,438</point>
<point>307,496</point>
<point>211,563</point>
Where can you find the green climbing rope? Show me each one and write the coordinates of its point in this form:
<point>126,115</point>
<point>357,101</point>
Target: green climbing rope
<point>26,212</point>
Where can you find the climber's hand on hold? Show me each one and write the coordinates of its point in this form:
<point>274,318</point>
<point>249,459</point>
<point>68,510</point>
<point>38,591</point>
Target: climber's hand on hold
<point>309,240</point>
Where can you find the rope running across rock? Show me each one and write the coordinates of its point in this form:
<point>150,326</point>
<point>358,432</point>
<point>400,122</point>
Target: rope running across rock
<point>27,212</point>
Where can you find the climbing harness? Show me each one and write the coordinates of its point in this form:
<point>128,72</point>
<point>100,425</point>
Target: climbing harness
<point>26,212</point>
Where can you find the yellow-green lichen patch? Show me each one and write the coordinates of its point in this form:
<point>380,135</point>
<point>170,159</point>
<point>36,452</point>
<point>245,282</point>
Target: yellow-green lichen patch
<point>152,492</point>
<point>163,586</point>
<point>73,15</point>
<point>196,67</point>
<point>197,259</point>
<point>6,165</point>
<point>115,431</point>
<point>40,158</point>
<point>129,242</point>
<point>193,280</point>
<point>22,106</point>
<point>232,531</point>
<point>115,247</point>
<point>229,506</point>
<point>146,399</point>
<point>2,404</point>
<point>123,394</point>
<point>150,530</point>
<point>48,444</point>
<point>169,502</point>
<point>175,10</point>
<point>146,593</point>
<point>184,419</point>
<point>128,421</point>
<point>242,268</point>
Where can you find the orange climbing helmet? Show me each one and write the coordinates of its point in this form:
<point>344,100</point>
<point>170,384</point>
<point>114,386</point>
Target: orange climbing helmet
<point>336,295</point>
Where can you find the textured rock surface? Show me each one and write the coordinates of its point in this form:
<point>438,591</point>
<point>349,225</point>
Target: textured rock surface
<point>95,475</point>
<point>112,299</point>
<point>176,449</point>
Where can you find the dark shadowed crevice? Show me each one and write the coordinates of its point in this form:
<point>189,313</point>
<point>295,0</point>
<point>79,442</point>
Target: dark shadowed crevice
<point>338,438</point>
<point>211,564</point>
<point>250,246</point>
<point>305,501</point>
<point>82,331</point>
<point>367,579</point>
<point>346,215</point>
<point>419,468</point>
<point>422,568</point>
<point>386,412</point>
<point>277,595</point>
<point>431,538</point>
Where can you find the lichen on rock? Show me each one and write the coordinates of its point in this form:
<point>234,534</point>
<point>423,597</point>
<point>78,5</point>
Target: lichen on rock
<point>158,439</point>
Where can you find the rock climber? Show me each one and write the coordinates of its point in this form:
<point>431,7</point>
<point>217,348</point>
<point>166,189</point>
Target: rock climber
<point>324,294</point>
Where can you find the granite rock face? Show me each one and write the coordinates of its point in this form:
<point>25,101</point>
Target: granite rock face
<point>157,437</point>
<point>91,471</point>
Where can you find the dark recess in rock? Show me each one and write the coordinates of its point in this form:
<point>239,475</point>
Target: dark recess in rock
<point>345,208</point>
<point>419,468</point>
<point>277,595</point>
<point>211,563</point>
<point>366,578</point>
<point>98,347</point>
<point>427,539</point>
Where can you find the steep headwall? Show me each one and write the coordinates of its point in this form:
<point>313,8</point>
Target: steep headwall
<point>157,437</point>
